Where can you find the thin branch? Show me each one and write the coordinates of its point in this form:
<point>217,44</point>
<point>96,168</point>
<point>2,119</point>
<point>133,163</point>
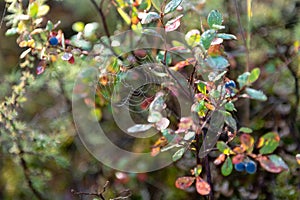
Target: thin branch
<point>27,175</point>
<point>98,194</point>
<point>243,35</point>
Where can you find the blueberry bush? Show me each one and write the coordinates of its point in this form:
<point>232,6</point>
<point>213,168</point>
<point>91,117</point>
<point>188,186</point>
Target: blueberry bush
<point>238,75</point>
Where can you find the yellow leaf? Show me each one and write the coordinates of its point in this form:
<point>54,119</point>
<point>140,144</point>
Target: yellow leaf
<point>43,10</point>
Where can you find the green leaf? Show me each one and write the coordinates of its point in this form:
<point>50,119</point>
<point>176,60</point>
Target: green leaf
<point>49,26</point>
<point>150,17</point>
<point>161,56</point>
<point>178,154</point>
<point>254,75</point>
<point>157,4</point>
<point>78,26</point>
<point>201,87</point>
<point>11,31</point>
<point>245,130</point>
<point>207,37</point>
<point>230,121</point>
<point>139,128</point>
<point>172,5</point>
<point>268,142</point>
<point>227,167</point>
<point>256,94</point>
<point>229,106</point>
<point>223,147</point>
<point>226,36</point>
<point>33,9</point>
<point>217,63</point>
<point>214,18</point>
<point>198,170</point>
<point>243,79</point>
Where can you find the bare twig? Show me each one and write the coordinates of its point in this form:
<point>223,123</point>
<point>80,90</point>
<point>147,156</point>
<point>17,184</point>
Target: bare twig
<point>243,35</point>
<point>97,194</point>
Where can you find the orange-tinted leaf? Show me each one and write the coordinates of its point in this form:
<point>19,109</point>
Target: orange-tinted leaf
<point>268,142</point>
<point>215,50</point>
<point>238,158</point>
<point>220,159</point>
<point>202,186</point>
<point>247,142</point>
<point>184,182</point>
<point>298,158</point>
<point>272,163</point>
<point>209,106</point>
<point>180,65</point>
<point>161,142</point>
<point>239,149</point>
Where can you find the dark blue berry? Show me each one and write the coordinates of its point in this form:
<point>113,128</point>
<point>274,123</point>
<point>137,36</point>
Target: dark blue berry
<point>251,167</point>
<point>230,84</point>
<point>53,41</point>
<point>239,166</point>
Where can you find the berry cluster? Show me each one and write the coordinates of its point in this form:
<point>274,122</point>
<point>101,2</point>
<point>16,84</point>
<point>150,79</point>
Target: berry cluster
<point>249,167</point>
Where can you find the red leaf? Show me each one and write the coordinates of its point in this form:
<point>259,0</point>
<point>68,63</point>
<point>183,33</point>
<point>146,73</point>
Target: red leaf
<point>238,158</point>
<point>247,142</point>
<point>272,163</point>
<point>202,186</point>
<point>184,182</point>
<point>173,24</point>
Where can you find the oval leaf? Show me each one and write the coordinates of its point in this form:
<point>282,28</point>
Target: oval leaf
<point>214,18</point>
<point>247,142</point>
<point>256,94</point>
<point>139,128</point>
<point>202,186</point>
<point>178,154</point>
<point>254,75</point>
<point>172,5</point>
<point>207,37</point>
<point>227,167</point>
<point>150,17</point>
<point>173,24</point>
<point>268,142</point>
<point>245,130</point>
<point>226,36</point>
<point>184,182</point>
<point>272,163</point>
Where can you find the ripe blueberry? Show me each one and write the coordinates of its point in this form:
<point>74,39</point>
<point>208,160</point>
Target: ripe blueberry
<point>53,41</point>
<point>230,84</point>
<point>239,166</point>
<point>251,167</point>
